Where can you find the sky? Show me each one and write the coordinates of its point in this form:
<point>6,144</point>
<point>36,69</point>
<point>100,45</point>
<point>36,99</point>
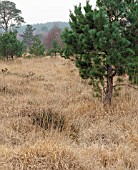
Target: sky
<point>42,11</point>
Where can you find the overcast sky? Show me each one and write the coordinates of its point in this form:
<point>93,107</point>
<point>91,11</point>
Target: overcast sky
<point>42,11</point>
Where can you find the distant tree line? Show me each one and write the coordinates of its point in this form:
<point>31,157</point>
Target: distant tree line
<point>45,27</point>
<point>37,39</point>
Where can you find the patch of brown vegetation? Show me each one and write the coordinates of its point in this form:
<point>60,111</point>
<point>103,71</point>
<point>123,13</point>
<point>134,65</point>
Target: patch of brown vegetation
<point>50,120</point>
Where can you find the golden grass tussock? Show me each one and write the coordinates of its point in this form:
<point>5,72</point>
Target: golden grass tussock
<point>49,120</point>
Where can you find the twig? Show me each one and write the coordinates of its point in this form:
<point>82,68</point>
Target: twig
<point>129,85</point>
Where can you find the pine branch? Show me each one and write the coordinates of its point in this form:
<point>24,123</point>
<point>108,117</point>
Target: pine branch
<point>128,85</point>
<point>113,73</point>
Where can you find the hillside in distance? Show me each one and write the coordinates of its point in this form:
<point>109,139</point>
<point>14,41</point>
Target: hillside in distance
<point>45,27</point>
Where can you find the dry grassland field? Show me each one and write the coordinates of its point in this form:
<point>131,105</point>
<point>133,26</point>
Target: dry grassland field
<point>49,120</point>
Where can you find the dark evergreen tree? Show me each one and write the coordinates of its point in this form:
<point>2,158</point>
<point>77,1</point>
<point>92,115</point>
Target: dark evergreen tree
<point>131,34</point>
<point>10,46</point>
<point>55,47</point>
<point>37,48</point>
<point>99,44</point>
<point>10,18</point>
<point>126,12</point>
<point>28,37</point>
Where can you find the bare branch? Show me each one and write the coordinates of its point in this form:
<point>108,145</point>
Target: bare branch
<point>128,85</point>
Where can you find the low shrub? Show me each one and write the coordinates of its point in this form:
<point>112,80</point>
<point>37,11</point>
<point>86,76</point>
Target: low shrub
<point>48,119</point>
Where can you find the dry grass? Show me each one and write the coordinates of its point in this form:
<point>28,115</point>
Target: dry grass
<point>50,121</point>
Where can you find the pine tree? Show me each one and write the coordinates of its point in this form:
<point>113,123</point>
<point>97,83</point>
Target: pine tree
<point>98,42</point>
<point>28,37</point>
<point>55,47</point>
<point>10,18</point>
<point>132,35</point>
<point>10,46</point>
<point>37,48</point>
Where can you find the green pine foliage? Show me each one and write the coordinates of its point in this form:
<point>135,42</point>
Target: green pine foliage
<point>133,70</point>
<point>99,43</point>
<point>28,36</point>
<point>55,48</point>
<point>37,48</point>
<point>10,46</point>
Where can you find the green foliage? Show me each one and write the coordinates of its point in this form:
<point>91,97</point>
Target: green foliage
<point>55,47</point>
<point>10,46</point>
<point>10,18</point>
<point>133,70</point>
<point>116,91</point>
<point>28,36</point>
<point>126,12</point>
<point>66,52</point>
<point>99,43</point>
<point>37,48</point>
<point>120,80</point>
<point>28,57</point>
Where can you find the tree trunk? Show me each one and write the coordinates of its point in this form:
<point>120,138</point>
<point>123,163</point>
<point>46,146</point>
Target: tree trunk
<point>109,86</point>
<point>109,91</point>
<point>6,28</point>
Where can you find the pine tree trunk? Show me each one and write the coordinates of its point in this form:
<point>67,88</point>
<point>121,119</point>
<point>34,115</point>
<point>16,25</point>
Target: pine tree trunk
<point>109,86</point>
<point>109,91</point>
<point>6,26</point>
